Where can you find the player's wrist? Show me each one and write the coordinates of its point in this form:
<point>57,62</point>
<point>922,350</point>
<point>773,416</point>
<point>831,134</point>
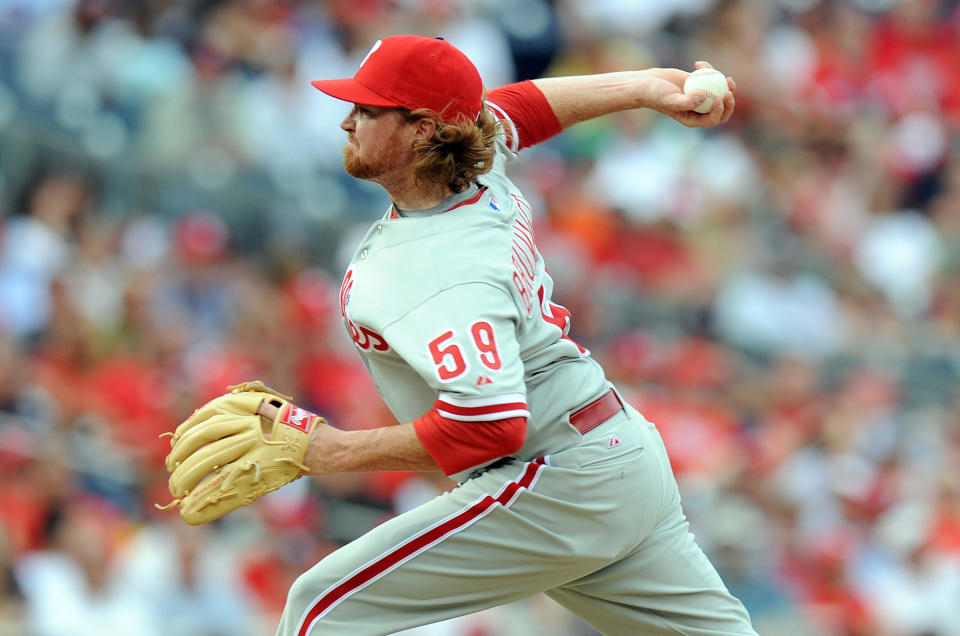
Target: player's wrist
<point>326,452</point>
<point>644,86</point>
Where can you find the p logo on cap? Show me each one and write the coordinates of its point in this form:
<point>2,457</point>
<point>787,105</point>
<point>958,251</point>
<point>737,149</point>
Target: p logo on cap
<point>370,52</point>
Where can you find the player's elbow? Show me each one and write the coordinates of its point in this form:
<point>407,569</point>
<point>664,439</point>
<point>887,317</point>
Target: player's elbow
<point>457,445</point>
<point>489,441</point>
<point>514,434</point>
<point>497,439</point>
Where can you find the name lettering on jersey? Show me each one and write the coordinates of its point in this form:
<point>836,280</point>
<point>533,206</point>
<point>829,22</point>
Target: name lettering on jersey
<point>524,260</point>
<point>524,256</point>
<point>365,338</point>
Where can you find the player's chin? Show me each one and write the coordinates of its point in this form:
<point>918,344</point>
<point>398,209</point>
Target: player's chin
<point>350,155</point>
<point>354,166</point>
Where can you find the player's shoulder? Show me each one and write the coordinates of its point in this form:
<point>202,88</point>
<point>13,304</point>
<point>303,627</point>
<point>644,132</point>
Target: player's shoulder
<point>466,249</point>
<point>505,143</point>
<point>508,138</point>
<point>484,223</point>
<point>473,240</point>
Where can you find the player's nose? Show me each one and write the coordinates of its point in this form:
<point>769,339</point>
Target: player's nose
<point>348,123</point>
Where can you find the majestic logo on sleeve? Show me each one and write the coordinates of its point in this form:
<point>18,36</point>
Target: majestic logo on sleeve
<point>365,338</point>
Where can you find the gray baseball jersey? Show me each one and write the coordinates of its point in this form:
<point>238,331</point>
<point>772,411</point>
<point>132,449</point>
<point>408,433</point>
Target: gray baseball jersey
<point>452,309</point>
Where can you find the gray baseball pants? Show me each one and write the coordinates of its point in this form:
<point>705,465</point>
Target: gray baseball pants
<point>597,527</point>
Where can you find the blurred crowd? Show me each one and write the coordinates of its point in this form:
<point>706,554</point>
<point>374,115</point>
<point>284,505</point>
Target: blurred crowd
<point>781,295</point>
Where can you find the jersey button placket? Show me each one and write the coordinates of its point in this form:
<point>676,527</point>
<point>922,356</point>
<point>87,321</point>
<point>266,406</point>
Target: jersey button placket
<point>363,254</point>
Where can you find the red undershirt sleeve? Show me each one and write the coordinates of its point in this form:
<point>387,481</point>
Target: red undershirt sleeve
<point>456,445</point>
<point>526,106</point>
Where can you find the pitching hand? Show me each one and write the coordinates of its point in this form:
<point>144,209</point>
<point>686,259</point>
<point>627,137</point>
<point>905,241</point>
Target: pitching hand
<point>665,94</point>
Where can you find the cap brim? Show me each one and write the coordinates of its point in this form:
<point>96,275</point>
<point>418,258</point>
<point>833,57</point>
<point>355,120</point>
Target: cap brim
<point>350,90</point>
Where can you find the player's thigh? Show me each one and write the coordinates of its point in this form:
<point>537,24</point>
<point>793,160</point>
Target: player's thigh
<point>666,586</point>
<point>473,548</point>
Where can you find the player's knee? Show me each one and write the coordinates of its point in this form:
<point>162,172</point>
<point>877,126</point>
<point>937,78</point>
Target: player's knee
<point>300,591</point>
<point>308,590</point>
<point>300,597</point>
<point>308,604</point>
<point>303,595</point>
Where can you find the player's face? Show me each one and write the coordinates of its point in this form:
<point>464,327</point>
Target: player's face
<point>379,142</point>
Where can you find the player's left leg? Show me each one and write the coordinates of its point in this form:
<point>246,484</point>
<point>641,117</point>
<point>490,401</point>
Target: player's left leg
<point>654,594</point>
<point>665,585</point>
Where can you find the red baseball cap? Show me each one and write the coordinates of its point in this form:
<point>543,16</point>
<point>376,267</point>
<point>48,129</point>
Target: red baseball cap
<point>413,72</point>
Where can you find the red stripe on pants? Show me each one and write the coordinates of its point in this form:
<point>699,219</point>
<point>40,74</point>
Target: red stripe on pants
<point>411,547</point>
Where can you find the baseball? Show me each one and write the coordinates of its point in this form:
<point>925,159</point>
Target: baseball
<point>709,81</point>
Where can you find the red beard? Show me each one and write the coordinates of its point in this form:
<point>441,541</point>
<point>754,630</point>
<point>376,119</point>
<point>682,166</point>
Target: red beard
<point>356,167</point>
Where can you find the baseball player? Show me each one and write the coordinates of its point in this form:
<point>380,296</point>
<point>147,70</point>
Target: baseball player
<point>563,487</point>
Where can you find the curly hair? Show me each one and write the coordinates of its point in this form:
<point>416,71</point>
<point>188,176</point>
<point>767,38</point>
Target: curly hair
<point>458,152</point>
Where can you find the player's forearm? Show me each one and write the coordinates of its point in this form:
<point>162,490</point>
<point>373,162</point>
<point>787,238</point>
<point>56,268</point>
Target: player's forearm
<point>388,448</point>
<point>579,98</point>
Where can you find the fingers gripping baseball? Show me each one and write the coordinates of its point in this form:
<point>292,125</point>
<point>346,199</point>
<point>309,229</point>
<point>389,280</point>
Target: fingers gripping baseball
<point>221,457</point>
<point>702,98</point>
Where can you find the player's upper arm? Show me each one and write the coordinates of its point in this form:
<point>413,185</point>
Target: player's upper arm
<point>457,445</point>
<point>462,341</point>
<point>527,116</point>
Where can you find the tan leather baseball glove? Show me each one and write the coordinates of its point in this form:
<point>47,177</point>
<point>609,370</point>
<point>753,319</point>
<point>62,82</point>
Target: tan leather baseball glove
<point>226,454</point>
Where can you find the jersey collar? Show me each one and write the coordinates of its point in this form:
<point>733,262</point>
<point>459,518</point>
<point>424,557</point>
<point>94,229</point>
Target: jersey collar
<point>468,197</point>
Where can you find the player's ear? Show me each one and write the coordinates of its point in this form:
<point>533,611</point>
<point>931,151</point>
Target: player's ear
<point>426,128</point>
